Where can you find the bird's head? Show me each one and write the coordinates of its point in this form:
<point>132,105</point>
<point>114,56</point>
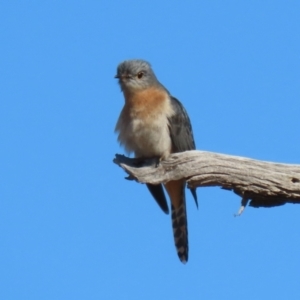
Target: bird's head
<point>135,75</point>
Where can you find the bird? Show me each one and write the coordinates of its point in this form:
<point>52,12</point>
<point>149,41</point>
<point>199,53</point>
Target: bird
<point>154,124</point>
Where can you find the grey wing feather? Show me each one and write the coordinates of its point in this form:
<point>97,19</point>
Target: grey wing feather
<point>158,194</point>
<point>181,132</point>
<point>180,128</point>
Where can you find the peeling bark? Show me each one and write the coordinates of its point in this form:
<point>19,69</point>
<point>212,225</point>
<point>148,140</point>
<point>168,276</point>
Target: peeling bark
<point>259,183</point>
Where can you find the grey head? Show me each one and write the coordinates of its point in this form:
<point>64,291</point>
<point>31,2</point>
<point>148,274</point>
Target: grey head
<point>136,74</point>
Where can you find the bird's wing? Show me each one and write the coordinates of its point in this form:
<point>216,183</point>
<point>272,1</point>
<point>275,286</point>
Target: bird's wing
<point>158,194</point>
<point>180,128</point>
<point>181,132</point>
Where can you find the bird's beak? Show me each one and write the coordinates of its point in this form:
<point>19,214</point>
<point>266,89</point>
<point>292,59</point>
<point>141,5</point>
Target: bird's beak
<point>123,76</point>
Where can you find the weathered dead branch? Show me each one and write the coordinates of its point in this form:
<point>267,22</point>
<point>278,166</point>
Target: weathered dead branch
<point>264,184</point>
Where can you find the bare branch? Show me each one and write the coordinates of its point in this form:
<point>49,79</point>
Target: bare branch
<point>264,184</point>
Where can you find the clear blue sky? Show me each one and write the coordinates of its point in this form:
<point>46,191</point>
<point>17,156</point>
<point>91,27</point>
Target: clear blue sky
<point>71,227</point>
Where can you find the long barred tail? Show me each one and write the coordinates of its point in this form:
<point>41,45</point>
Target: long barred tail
<point>176,191</point>
<point>180,231</point>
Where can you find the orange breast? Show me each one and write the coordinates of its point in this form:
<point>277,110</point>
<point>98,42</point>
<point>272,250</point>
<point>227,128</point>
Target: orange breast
<point>143,123</point>
<point>146,103</point>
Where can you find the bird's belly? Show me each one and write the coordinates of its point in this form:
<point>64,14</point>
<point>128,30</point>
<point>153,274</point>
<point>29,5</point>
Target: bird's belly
<point>147,139</point>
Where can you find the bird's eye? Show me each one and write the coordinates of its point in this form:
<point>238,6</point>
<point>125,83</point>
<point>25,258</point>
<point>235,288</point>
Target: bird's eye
<point>140,75</point>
